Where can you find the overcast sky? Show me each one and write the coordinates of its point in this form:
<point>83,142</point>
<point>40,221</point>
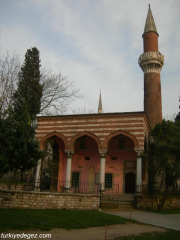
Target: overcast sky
<point>97,43</point>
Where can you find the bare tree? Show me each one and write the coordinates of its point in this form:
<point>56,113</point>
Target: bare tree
<point>82,111</point>
<point>58,93</point>
<point>9,69</point>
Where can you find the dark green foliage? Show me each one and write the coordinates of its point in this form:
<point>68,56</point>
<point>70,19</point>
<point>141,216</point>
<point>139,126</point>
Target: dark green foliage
<point>18,147</point>
<point>166,211</point>
<point>167,235</point>
<point>29,88</point>
<point>22,219</point>
<point>166,150</point>
<point>163,158</point>
<point>177,120</point>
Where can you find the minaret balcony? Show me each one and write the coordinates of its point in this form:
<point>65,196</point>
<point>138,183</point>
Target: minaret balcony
<point>151,62</point>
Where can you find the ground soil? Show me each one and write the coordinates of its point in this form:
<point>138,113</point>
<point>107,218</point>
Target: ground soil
<point>95,233</point>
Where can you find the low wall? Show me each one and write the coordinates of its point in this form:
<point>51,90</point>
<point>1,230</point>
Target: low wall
<point>45,200</point>
<point>171,202</point>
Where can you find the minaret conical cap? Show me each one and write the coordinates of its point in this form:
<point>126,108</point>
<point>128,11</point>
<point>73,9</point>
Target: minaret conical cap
<point>150,24</point>
<point>100,104</point>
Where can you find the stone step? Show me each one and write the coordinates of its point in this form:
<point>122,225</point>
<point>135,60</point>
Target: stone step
<point>126,197</point>
<point>118,210</point>
<point>122,206</point>
<point>120,198</point>
<point>125,205</point>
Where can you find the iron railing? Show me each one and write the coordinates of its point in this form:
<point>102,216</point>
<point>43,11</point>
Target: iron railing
<point>73,187</point>
<point>83,187</point>
<point>109,196</point>
<point>79,187</point>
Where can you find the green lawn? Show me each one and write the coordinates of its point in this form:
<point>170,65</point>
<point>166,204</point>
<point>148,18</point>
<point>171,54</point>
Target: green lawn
<point>21,219</point>
<point>166,211</point>
<point>168,235</point>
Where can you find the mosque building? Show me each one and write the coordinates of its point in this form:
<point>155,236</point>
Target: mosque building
<point>105,148</point>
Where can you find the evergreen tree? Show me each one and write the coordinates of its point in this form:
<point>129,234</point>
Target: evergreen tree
<point>166,151</point>
<point>177,120</point>
<point>29,88</point>
<point>18,147</point>
<point>163,160</point>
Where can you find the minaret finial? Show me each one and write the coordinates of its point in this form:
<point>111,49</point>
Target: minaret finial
<point>100,104</point>
<point>150,24</point>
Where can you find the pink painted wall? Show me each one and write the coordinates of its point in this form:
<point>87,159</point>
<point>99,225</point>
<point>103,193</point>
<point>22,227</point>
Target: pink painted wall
<point>79,164</point>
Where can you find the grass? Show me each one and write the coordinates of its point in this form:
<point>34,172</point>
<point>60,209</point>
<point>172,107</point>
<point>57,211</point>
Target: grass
<point>173,211</point>
<point>168,235</point>
<point>22,219</point>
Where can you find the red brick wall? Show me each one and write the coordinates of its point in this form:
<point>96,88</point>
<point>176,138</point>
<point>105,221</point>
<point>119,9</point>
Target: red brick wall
<point>100,125</point>
<point>150,42</point>
<point>152,98</point>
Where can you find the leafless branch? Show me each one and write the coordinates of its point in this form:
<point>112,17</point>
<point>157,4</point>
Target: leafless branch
<point>82,111</point>
<point>58,93</point>
<point>9,68</point>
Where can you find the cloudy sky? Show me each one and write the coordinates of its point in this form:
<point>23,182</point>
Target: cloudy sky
<point>97,43</point>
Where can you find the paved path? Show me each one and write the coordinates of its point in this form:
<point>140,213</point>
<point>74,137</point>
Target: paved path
<point>95,233</point>
<point>171,221</point>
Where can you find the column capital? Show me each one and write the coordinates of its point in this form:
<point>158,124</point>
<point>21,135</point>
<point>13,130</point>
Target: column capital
<point>139,151</point>
<point>102,152</point>
<point>69,153</point>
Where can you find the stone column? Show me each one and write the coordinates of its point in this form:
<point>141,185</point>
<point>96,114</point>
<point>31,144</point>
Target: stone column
<point>68,169</point>
<point>38,176</point>
<point>102,168</point>
<point>139,170</point>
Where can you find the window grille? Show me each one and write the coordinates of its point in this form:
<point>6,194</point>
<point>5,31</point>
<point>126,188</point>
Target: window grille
<point>108,180</point>
<point>75,179</point>
<point>82,143</point>
<point>121,143</point>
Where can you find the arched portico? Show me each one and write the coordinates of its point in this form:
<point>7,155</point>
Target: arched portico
<point>121,160</point>
<point>76,161</point>
<point>50,170</point>
<point>120,132</point>
<point>85,161</point>
<point>84,133</point>
<point>53,134</point>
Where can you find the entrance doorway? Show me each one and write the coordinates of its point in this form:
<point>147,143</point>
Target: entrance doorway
<point>130,181</point>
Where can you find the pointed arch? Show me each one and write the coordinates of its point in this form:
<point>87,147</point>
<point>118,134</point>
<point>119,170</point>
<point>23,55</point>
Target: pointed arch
<point>120,132</point>
<point>71,144</point>
<point>59,135</point>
